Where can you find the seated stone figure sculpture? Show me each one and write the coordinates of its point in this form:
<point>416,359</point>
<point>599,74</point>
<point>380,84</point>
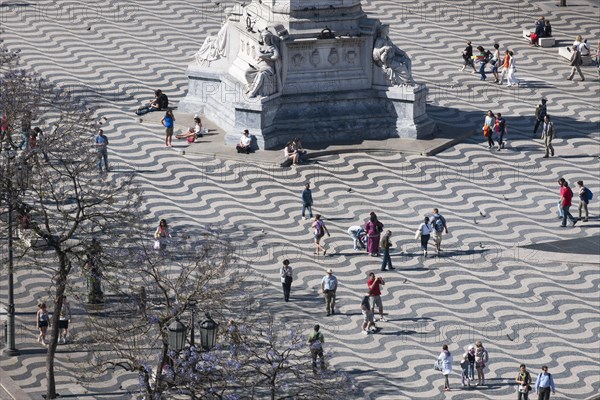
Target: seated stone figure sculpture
<point>395,63</point>
<point>263,79</point>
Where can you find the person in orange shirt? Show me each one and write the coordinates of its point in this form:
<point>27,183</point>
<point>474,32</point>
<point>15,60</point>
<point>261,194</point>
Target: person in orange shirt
<point>505,66</point>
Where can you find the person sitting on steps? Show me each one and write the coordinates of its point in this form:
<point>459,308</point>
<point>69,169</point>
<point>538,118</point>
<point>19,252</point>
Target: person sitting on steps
<point>160,102</point>
<point>245,144</point>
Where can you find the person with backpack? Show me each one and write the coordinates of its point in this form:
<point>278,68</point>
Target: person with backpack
<point>315,343</point>
<point>544,383</point>
<point>540,112</point>
<point>439,226</point>
<point>524,380</point>
<point>585,195</point>
<point>307,201</point>
<point>373,228</point>
<point>319,230</point>
<point>566,194</point>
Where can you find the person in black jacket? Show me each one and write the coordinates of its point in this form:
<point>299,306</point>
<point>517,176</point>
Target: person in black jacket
<point>468,57</point>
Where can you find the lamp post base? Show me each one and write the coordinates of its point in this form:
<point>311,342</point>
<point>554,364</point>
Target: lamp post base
<point>10,352</point>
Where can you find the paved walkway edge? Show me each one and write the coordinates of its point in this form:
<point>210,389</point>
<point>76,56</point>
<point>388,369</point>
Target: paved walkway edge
<point>9,390</point>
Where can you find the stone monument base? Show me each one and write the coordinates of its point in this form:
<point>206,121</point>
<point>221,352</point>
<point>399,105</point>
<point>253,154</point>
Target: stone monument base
<point>338,116</point>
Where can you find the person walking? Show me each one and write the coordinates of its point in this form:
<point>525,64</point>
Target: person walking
<point>480,58</point>
<point>168,121</point>
<point>424,231</point>
<point>307,201</point>
<point>467,55</point>
<point>544,384</point>
<point>584,199</point>
<point>329,285</point>
<point>540,112</point>
<point>64,319</point>
<point>524,380</point>
<point>445,359</point>
<point>42,322</point>
<point>368,325</point>
<point>566,194</point>
<point>500,130</point>
<point>102,150</point>
<point>286,273</point>
<point>319,230</point>
<point>505,66</point>
<point>385,244</point>
<point>439,226</point>
<point>162,234</point>
<point>357,233</point>
<point>495,61</point>
<point>548,136</point>
<point>471,367</point>
<point>374,284</point>
<point>25,131</point>
<point>373,228</point>
<point>481,359</point>
<point>576,63</point>
<point>488,128</point>
<point>315,342</point>
<point>511,79</point>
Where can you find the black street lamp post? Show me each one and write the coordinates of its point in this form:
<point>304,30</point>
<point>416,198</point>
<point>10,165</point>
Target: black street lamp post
<point>10,348</point>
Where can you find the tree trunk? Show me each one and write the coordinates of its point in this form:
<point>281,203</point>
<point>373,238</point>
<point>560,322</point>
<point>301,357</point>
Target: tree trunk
<point>562,3</point>
<point>61,282</point>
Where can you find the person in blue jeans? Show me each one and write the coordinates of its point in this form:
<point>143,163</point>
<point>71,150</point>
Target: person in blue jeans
<point>307,201</point>
<point>385,245</point>
<point>102,150</point>
<point>481,59</point>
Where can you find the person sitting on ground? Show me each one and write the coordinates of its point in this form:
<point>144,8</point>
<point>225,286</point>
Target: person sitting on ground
<point>194,132</point>
<point>291,153</point>
<point>160,102</point>
<point>245,144</point>
<point>299,149</point>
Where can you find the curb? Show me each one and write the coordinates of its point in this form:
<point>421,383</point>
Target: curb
<point>9,390</point>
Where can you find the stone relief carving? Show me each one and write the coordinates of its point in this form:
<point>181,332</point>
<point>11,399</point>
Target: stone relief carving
<point>297,60</point>
<point>214,47</point>
<point>315,58</point>
<point>264,78</point>
<point>350,57</point>
<point>394,62</point>
<point>333,57</point>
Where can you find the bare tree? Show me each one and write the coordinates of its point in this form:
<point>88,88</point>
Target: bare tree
<point>150,290</point>
<point>263,359</point>
<point>68,203</point>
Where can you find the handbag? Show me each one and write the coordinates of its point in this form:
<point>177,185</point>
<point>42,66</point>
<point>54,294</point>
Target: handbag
<point>437,365</point>
<point>486,131</point>
<point>417,234</point>
<point>156,245</point>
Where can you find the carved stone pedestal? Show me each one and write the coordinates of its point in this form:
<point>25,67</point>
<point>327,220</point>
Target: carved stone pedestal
<point>326,73</point>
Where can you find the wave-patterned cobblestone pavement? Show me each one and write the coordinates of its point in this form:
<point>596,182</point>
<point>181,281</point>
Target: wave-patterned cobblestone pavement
<point>486,286</point>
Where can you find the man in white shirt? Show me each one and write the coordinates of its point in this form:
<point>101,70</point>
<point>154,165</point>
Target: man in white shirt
<point>329,287</point>
<point>245,144</point>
